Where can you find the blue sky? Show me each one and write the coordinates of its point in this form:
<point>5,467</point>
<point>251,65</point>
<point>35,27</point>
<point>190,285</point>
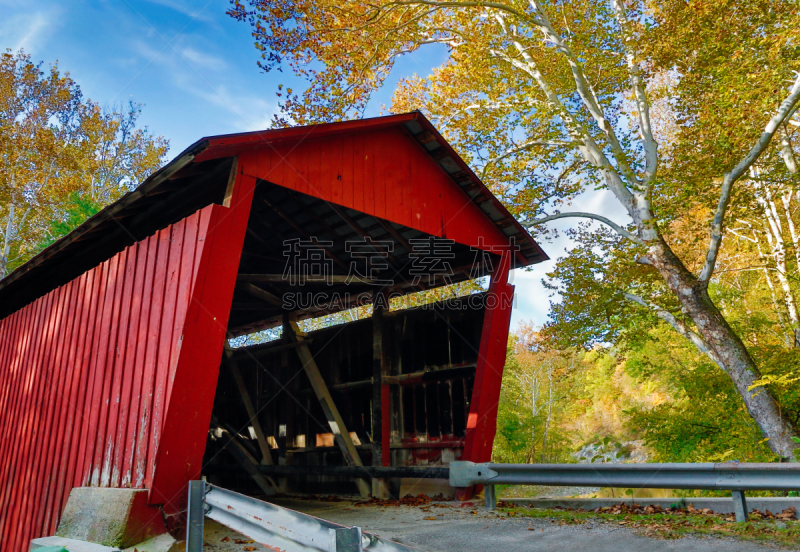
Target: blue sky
<point>194,69</point>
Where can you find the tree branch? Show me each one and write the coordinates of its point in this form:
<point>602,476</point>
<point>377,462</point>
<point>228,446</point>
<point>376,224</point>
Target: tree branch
<point>730,178</point>
<point>585,91</point>
<point>478,4</point>
<point>585,143</point>
<point>522,147</point>
<point>616,227</point>
<point>679,326</point>
<point>639,91</point>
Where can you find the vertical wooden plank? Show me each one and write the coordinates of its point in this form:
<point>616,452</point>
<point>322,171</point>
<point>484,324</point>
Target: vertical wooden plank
<point>106,367</point>
<point>378,413</point>
<point>63,400</point>
<point>276,165</point>
<point>12,450</point>
<point>167,334</point>
<point>19,326</point>
<point>383,164</point>
<point>368,182</point>
<point>115,363</point>
<point>340,169</point>
<point>346,197</point>
<point>36,421</point>
<point>11,328</point>
<point>405,160</point>
<point>358,173</point>
<point>75,410</point>
<point>143,470</point>
<point>95,391</point>
<point>76,469</point>
<point>316,152</point>
<point>120,396</point>
<point>129,394</point>
<point>33,419</point>
<point>303,155</point>
<point>393,177</point>
<point>287,175</point>
<point>147,255</point>
<point>189,259</point>
<point>25,326</point>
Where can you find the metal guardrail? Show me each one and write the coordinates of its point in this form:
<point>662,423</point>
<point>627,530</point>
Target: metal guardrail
<point>412,472</point>
<point>273,525</point>
<point>731,476</point>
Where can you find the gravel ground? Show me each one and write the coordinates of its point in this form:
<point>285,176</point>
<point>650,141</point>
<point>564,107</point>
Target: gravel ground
<point>457,529</point>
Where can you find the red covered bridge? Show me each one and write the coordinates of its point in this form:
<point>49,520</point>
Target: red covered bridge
<point>112,340</point>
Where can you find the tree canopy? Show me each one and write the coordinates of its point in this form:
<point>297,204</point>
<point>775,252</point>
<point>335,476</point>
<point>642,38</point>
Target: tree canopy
<point>684,109</point>
<point>60,153</point>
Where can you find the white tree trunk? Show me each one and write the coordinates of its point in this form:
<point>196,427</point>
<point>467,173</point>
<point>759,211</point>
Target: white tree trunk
<point>8,236</point>
<point>774,233</point>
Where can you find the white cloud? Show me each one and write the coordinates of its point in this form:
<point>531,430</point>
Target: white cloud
<point>202,59</point>
<point>26,31</point>
<point>186,9</point>
<point>195,74</point>
<point>532,298</point>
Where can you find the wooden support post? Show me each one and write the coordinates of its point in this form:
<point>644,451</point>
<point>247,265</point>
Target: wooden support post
<point>287,408</point>
<point>263,445</point>
<point>381,408</point>
<point>482,420</point>
<point>335,420</point>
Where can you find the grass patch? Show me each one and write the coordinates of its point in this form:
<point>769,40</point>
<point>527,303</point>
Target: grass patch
<point>676,525</point>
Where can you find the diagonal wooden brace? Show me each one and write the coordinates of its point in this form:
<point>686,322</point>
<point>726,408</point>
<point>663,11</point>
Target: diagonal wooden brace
<point>263,445</point>
<point>335,421</point>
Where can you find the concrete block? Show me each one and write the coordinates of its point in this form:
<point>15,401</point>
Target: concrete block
<point>111,517</point>
<point>161,543</point>
<point>427,487</point>
<point>70,544</point>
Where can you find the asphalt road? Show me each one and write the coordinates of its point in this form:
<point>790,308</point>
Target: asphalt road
<point>457,529</point>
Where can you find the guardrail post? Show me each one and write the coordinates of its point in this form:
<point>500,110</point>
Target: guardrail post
<point>740,506</point>
<point>195,516</point>
<point>349,540</point>
<point>490,496</point>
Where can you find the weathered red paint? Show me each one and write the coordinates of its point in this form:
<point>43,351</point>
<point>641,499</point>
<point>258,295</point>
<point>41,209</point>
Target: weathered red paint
<point>69,357</point>
<point>194,379</point>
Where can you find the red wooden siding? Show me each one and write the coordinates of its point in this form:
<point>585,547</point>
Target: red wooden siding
<point>84,374</point>
<point>482,421</point>
<point>193,383</point>
<point>384,173</point>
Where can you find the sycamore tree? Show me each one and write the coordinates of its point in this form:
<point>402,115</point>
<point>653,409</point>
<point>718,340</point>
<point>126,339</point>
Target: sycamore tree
<point>59,154</point>
<point>551,98</point>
